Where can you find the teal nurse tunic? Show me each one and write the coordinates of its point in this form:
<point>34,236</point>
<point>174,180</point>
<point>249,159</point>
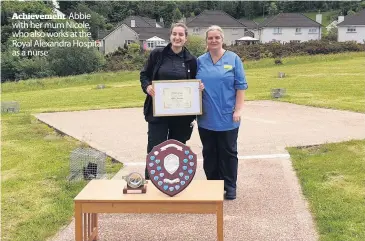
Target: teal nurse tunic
<point>221,81</point>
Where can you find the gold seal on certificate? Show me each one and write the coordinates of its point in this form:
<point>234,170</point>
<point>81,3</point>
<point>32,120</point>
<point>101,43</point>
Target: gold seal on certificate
<point>177,97</point>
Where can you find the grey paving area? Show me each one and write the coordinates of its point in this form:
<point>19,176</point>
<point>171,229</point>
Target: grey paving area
<point>270,205</point>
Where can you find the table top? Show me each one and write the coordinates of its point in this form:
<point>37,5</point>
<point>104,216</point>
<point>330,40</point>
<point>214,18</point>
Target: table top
<point>112,190</point>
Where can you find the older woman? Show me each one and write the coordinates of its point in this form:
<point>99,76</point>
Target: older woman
<point>223,76</point>
<point>170,63</point>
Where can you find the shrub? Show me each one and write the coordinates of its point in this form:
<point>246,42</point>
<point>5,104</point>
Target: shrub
<point>277,50</point>
<point>75,60</point>
<point>278,61</point>
<point>196,45</point>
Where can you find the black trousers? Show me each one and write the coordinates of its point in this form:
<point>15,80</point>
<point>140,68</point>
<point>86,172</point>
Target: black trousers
<point>172,128</point>
<point>220,161</point>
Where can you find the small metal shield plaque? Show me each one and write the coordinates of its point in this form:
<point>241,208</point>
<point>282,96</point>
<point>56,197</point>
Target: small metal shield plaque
<point>171,166</point>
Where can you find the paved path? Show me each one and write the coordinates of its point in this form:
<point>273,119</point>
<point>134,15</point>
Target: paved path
<point>269,206</point>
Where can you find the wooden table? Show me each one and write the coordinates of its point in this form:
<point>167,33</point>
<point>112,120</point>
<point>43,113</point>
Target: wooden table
<point>106,196</point>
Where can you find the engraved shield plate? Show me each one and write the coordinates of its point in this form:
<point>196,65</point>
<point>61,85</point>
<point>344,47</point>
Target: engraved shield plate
<point>171,166</point>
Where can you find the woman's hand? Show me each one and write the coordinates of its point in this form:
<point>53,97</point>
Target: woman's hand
<point>150,90</point>
<point>237,115</point>
<point>201,86</point>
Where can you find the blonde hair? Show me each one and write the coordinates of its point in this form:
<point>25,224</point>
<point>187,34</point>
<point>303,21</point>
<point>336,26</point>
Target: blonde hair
<point>214,28</point>
<point>179,25</point>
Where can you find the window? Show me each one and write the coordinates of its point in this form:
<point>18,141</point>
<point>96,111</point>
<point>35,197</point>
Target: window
<point>128,41</point>
<point>277,30</point>
<point>150,44</point>
<point>298,31</point>
<point>196,30</point>
<point>351,29</point>
<point>234,31</point>
<point>312,30</point>
<point>294,41</point>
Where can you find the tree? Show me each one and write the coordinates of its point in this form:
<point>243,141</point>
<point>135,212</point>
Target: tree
<point>350,12</point>
<point>97,21</point>
<point>273,9</point>
<point>176,15</point>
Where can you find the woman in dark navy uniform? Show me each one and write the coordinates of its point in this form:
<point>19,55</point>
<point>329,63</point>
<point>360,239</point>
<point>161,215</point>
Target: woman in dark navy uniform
<point>170,63</point>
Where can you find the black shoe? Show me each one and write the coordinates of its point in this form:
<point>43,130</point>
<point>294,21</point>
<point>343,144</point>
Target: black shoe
<point>230,195</point>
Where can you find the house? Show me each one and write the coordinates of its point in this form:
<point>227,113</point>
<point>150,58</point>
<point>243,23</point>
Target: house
<point>289,27</point>
<point>352,28</point>
<point>149,37</point>
<point>252,27</point>
<point>142,22</point>
<point>232,28</point>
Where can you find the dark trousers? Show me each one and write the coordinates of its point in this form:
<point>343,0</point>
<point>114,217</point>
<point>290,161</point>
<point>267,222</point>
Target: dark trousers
<point>170,129</point>
<point>220,160</point>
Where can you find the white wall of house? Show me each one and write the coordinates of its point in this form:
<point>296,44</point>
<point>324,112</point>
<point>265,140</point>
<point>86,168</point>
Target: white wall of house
<point>351,33</point>
<point>287,34</point>
<point>117,38</point>
<point>230,34</point>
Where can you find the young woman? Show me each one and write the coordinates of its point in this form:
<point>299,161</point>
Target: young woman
<point>170,63</point>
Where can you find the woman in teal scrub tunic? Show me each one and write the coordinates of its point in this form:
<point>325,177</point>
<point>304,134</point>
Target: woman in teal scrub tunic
<point>223,76</point>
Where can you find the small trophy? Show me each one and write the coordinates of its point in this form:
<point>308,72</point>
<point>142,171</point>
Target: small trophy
<point>135,183</point>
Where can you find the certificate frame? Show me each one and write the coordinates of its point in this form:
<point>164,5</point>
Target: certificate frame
<point>177,97</point>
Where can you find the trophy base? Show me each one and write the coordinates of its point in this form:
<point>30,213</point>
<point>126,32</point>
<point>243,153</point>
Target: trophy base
<point>140,190</point>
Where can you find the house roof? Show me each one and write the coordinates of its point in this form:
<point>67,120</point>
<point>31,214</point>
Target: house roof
<point>141,22</point>
<point>151,21</point>
<point>155,38</point>
<point>214,17</point>
<point>146,33</point>
<point>189,19</point>
<point>356,19</point>
<point>289,20</point>
<point>249,23</point>
<point>103,33</point>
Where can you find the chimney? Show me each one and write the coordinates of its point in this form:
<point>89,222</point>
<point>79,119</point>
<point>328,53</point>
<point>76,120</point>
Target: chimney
<point>133,23</point>
<point>340,19</point>
<point>319,18</point>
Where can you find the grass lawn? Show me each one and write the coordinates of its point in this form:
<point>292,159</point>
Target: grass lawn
<point>37,198</point>
<point>333,180</point>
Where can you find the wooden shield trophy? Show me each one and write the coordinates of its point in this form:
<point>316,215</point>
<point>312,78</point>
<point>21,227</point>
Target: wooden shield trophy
<point>171,166</point>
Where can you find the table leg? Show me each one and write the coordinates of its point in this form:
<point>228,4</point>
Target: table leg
<point>95,225</point>
<point>220,221</point>
<point>78,222</point>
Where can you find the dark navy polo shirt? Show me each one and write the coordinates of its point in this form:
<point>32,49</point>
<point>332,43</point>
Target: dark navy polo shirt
<point>172,67</point>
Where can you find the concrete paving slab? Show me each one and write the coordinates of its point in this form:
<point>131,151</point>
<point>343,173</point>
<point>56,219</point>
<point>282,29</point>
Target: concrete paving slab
<point>267,128</point>
<point>269,205</point>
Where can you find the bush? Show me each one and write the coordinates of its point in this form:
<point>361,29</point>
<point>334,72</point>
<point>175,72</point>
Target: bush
<point>75,60</point>
<point>277,50</point>
<point>196,45</point>
<point>36,67</point>
<point>126,59</point>
<point>278,61</point>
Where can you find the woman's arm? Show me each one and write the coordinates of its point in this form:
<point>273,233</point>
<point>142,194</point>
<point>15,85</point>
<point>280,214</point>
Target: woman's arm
<point>240,87</point>
<point>240,99</point>
<point>147,72</point>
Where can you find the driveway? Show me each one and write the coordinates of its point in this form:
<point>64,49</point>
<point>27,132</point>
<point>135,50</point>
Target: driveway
<point>269,205</point>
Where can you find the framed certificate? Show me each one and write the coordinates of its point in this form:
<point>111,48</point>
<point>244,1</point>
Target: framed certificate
<point>177,97</point>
